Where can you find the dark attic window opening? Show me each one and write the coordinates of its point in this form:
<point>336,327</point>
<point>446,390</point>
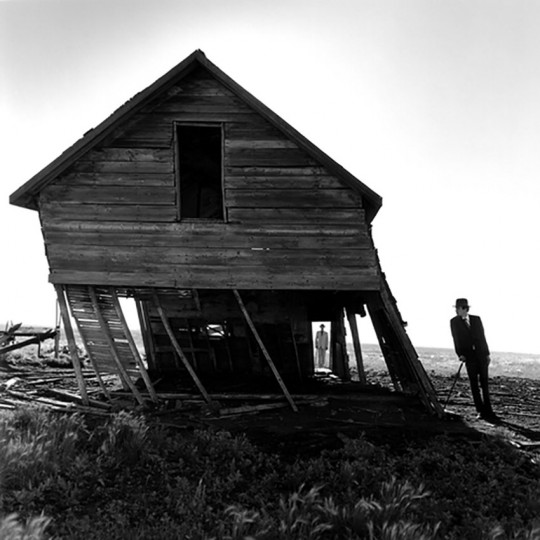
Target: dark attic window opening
<point>199,152</point>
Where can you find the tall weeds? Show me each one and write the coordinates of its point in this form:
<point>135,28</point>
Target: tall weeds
<point>128,479</point>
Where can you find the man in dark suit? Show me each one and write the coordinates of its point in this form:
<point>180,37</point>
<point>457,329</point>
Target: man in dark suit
<point>472,348</point>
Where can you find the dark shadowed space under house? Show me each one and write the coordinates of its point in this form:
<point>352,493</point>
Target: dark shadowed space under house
<point>231,232</point>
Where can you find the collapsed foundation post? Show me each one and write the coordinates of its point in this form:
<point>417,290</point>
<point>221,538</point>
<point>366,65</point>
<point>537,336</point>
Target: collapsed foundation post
<point>264,351</point>
<point>178,349</point>
<point>72,345</point>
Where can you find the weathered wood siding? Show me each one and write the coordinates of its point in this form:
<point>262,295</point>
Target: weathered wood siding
<point>112,218</point>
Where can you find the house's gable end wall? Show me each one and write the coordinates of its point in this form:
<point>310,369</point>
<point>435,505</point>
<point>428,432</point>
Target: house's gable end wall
<point>112,216</point>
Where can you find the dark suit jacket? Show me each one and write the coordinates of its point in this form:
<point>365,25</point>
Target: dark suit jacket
<point>469,342</point>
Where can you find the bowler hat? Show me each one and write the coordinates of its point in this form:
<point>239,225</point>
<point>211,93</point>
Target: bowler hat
<point>462,302</point>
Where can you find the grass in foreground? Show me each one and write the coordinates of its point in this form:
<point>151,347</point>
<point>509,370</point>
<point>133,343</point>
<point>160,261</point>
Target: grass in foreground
<point>125,479</point>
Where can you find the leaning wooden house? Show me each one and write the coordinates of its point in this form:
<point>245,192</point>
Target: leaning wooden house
<point>231,231</point>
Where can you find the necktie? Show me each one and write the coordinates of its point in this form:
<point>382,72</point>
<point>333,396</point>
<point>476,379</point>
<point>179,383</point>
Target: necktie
<point>467,322</point>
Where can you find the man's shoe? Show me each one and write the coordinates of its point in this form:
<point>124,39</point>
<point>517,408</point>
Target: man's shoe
<point>490,417</point>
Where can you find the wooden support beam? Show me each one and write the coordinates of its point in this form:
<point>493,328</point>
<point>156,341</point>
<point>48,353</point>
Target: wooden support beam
<point>72,345</point>
<point>95,367</point>
<point>351,317</point>
<point>146,333</point>
<point>264,351</point>
<point>57,319</point>
<point>112,346</point>
<point>380,331</point>
<point>178,349</point>
<point>427,392</point>
<point>132,346</point>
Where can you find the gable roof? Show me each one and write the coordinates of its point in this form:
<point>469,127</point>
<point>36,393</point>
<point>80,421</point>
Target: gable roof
<point>25,196</point>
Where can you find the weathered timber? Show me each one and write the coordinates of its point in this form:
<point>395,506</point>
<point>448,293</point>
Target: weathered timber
<point>351,317</point>
<point>109,212</point>
<point>180,235</point>
<point>132,346</point>
<point>74,398</point>
<point>291,198</point>
<point>263,349</point>
<point>117,179</point>
<point>207,277</point>
<point>90,350</point>
<point>283,182</point>
<point>152,155</point>
<point>32,341</point>
<point>123,166</point>
<point>154,258</point>
<point>103,194</point>
<point>301,216</point>
<point>71,342</point>
<point>179,350</point>
<point>250,409</point>
<point>113,347</point>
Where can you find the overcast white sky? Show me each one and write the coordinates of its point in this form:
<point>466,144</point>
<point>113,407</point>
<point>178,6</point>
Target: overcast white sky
<point>434,104</point>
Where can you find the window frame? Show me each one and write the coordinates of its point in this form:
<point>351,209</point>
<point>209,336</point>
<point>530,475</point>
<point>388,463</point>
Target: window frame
<point>178,177</point>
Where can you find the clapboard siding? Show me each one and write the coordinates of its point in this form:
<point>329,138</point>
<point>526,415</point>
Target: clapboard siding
<point>206,277</point>
<point>112,217</point>
<point>207,236</point>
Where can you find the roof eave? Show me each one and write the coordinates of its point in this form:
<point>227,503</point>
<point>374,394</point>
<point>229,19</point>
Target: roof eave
<point>25,196</point>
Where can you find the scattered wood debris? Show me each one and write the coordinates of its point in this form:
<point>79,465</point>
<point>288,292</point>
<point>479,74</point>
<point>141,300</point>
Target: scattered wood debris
<point>35,336</point>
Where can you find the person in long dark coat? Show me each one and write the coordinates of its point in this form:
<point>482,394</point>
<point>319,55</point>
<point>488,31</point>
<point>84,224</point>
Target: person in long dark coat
<point>472,348</point>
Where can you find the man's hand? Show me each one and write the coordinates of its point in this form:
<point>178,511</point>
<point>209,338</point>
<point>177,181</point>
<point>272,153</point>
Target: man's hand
<point>462,358</point>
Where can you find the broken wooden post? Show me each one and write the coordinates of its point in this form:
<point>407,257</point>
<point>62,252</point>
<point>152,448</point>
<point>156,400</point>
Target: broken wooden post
<point>72,345</point>
<point>264,351</point>
<point>351,317</point>
<point>132,346</point>
<point>178,349</point>
<point>124,375</point>
<point>57,321</point>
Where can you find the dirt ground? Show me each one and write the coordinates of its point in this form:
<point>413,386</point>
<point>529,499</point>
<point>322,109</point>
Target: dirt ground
<point>328,413</point>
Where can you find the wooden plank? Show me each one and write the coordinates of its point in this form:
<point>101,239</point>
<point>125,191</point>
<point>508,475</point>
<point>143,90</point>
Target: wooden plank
<point>177,113</point>
<point>253,143</point>
<point>152,155</point>
<point>151,258</point>
<point>74,398</point>
<point>275,171</point>
<point>103,194</point>
<point>109,212</point>
<point>178,349</point>
<point>284,182</point>
<point>133,347</point>
<point>263,349</point>
<point>268,157</point>
<point>112,346</point>
<point>299,242</point>
<point>209,229</point>
<point>123,166</point>
<point>291,198</point>
<point>250,409</point>
<point>117,179</point>
<point>84,337</point>
<point>147,337</point>
<point>71,342</point>
<point>351,317</point>
<point>201,277</point>
<point>300,216</point>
